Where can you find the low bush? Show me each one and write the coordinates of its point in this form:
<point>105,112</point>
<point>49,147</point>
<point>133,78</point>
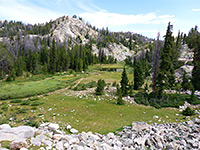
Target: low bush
<point>188,112</point>
<point>16,101</point>
<point>114,84</point>
<point>3,121</point>
<point>167,100</point>
<point>32,123</point>
<point>36,103</point>
<point>21,111</point>
<point>91,84</point>
<point>26,102</point>
<point>9,79</point>
<point>80,87</point>
<point>4,108</point>
<point>34,99</point>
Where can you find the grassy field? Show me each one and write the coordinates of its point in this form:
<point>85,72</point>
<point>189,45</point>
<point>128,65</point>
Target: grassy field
<point>89,113</point>
<point>103,66</point>
<point>86,114</point>
<point>109,77</point>
<point>38,85</point>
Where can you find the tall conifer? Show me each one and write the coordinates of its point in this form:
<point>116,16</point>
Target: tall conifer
<point>124,83</point>
<point>165,78</point>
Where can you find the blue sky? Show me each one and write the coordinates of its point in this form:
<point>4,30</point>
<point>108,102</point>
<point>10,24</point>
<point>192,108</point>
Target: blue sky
<point>146,17</point>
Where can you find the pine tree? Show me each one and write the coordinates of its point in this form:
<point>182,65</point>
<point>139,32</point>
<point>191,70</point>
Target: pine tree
<point>196,69</point>
<point>120,101</point>
<point>52,67</point>
<point>165,78</point>
<point>138,75</point>
<point>124,83</point>
<point>19,66</point>
<point>100,87</point>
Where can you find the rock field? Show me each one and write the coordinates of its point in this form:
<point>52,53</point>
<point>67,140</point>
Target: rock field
<point>140,135</point>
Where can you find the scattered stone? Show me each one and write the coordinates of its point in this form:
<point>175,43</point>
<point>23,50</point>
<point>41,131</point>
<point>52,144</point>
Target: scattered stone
<point>74,131</point>
<point>155,117</point>
<point>53,126</point>
<point>18,144</point>
<point>139,135</point>
<point>69,127</point>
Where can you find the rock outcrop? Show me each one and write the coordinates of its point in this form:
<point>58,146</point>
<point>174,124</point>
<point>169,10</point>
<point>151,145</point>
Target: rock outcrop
<point>71,28</point>
<point>118,51</point>
<point>138,136</point>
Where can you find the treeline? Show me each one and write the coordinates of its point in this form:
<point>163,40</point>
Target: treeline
<point>127,39</point>
<point>10,29</point>
<point>51,57</point>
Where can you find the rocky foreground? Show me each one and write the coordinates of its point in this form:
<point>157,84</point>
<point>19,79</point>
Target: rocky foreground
<point>138,136</point>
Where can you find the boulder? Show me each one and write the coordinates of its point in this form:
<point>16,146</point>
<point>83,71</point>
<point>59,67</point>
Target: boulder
<point>59,145</point>
<point>69,127</point>
<point>74,131</point>
<point>24,131</point>
<point>57,137</point>
<point>4,126</point>
<point>53,126</point>
<point>18,144</point>
<point>7,136</point>
<point>155,117</point>
<point>140,141</point>
<point>140,126</point>
<point>196,120</point>
<point>38,140</point>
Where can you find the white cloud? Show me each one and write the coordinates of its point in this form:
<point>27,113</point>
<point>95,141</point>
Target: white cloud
<point>104,18</point>
<point>195,9</point>
<point>21,10</point>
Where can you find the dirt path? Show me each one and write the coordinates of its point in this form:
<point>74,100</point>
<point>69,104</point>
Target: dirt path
<point>77,83</point>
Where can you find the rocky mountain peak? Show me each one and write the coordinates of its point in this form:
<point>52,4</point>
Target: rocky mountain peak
<point>67,27</point>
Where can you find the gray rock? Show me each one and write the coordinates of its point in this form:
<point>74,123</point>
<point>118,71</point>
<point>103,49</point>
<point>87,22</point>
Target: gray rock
<point>23,131</point>
<point>105,146</point>
<point>140,126</point>
<point>66,145</point>
<point>4,126</point>
<point>53,126</point>
<point>18,144</point>
<point>69,127</point>
<point>38,140</point>
<point>57,137</point>
<point>59,145</point>
<point>47,142</point>
<point>196,120</point>
<point>74,131</point>
<point>140,141</point>
<point>155,117</point>
<point>7,136</point>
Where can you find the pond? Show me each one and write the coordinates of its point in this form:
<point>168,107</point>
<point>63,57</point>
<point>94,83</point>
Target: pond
<point>111,69</point>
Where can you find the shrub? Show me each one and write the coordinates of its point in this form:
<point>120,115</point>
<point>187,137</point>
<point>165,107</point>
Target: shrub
<point>32,123</point>
<point>21,111</point>
<point>80,87</point>
<point>16,101</point>
<point>114,83</point>
<point>166,100</point>
<point>3,121</point>
<point>100,87</point>
<point>91,84</point>
<point>34,99</point>
<point>9,78</point>
<point>188,112</point>
<point>120,101</point>
<point>36,103</point>
<point>4,108</point>
<point>27,102</point>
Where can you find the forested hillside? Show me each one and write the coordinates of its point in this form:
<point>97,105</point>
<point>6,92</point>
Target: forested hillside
<point>63,44</point>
